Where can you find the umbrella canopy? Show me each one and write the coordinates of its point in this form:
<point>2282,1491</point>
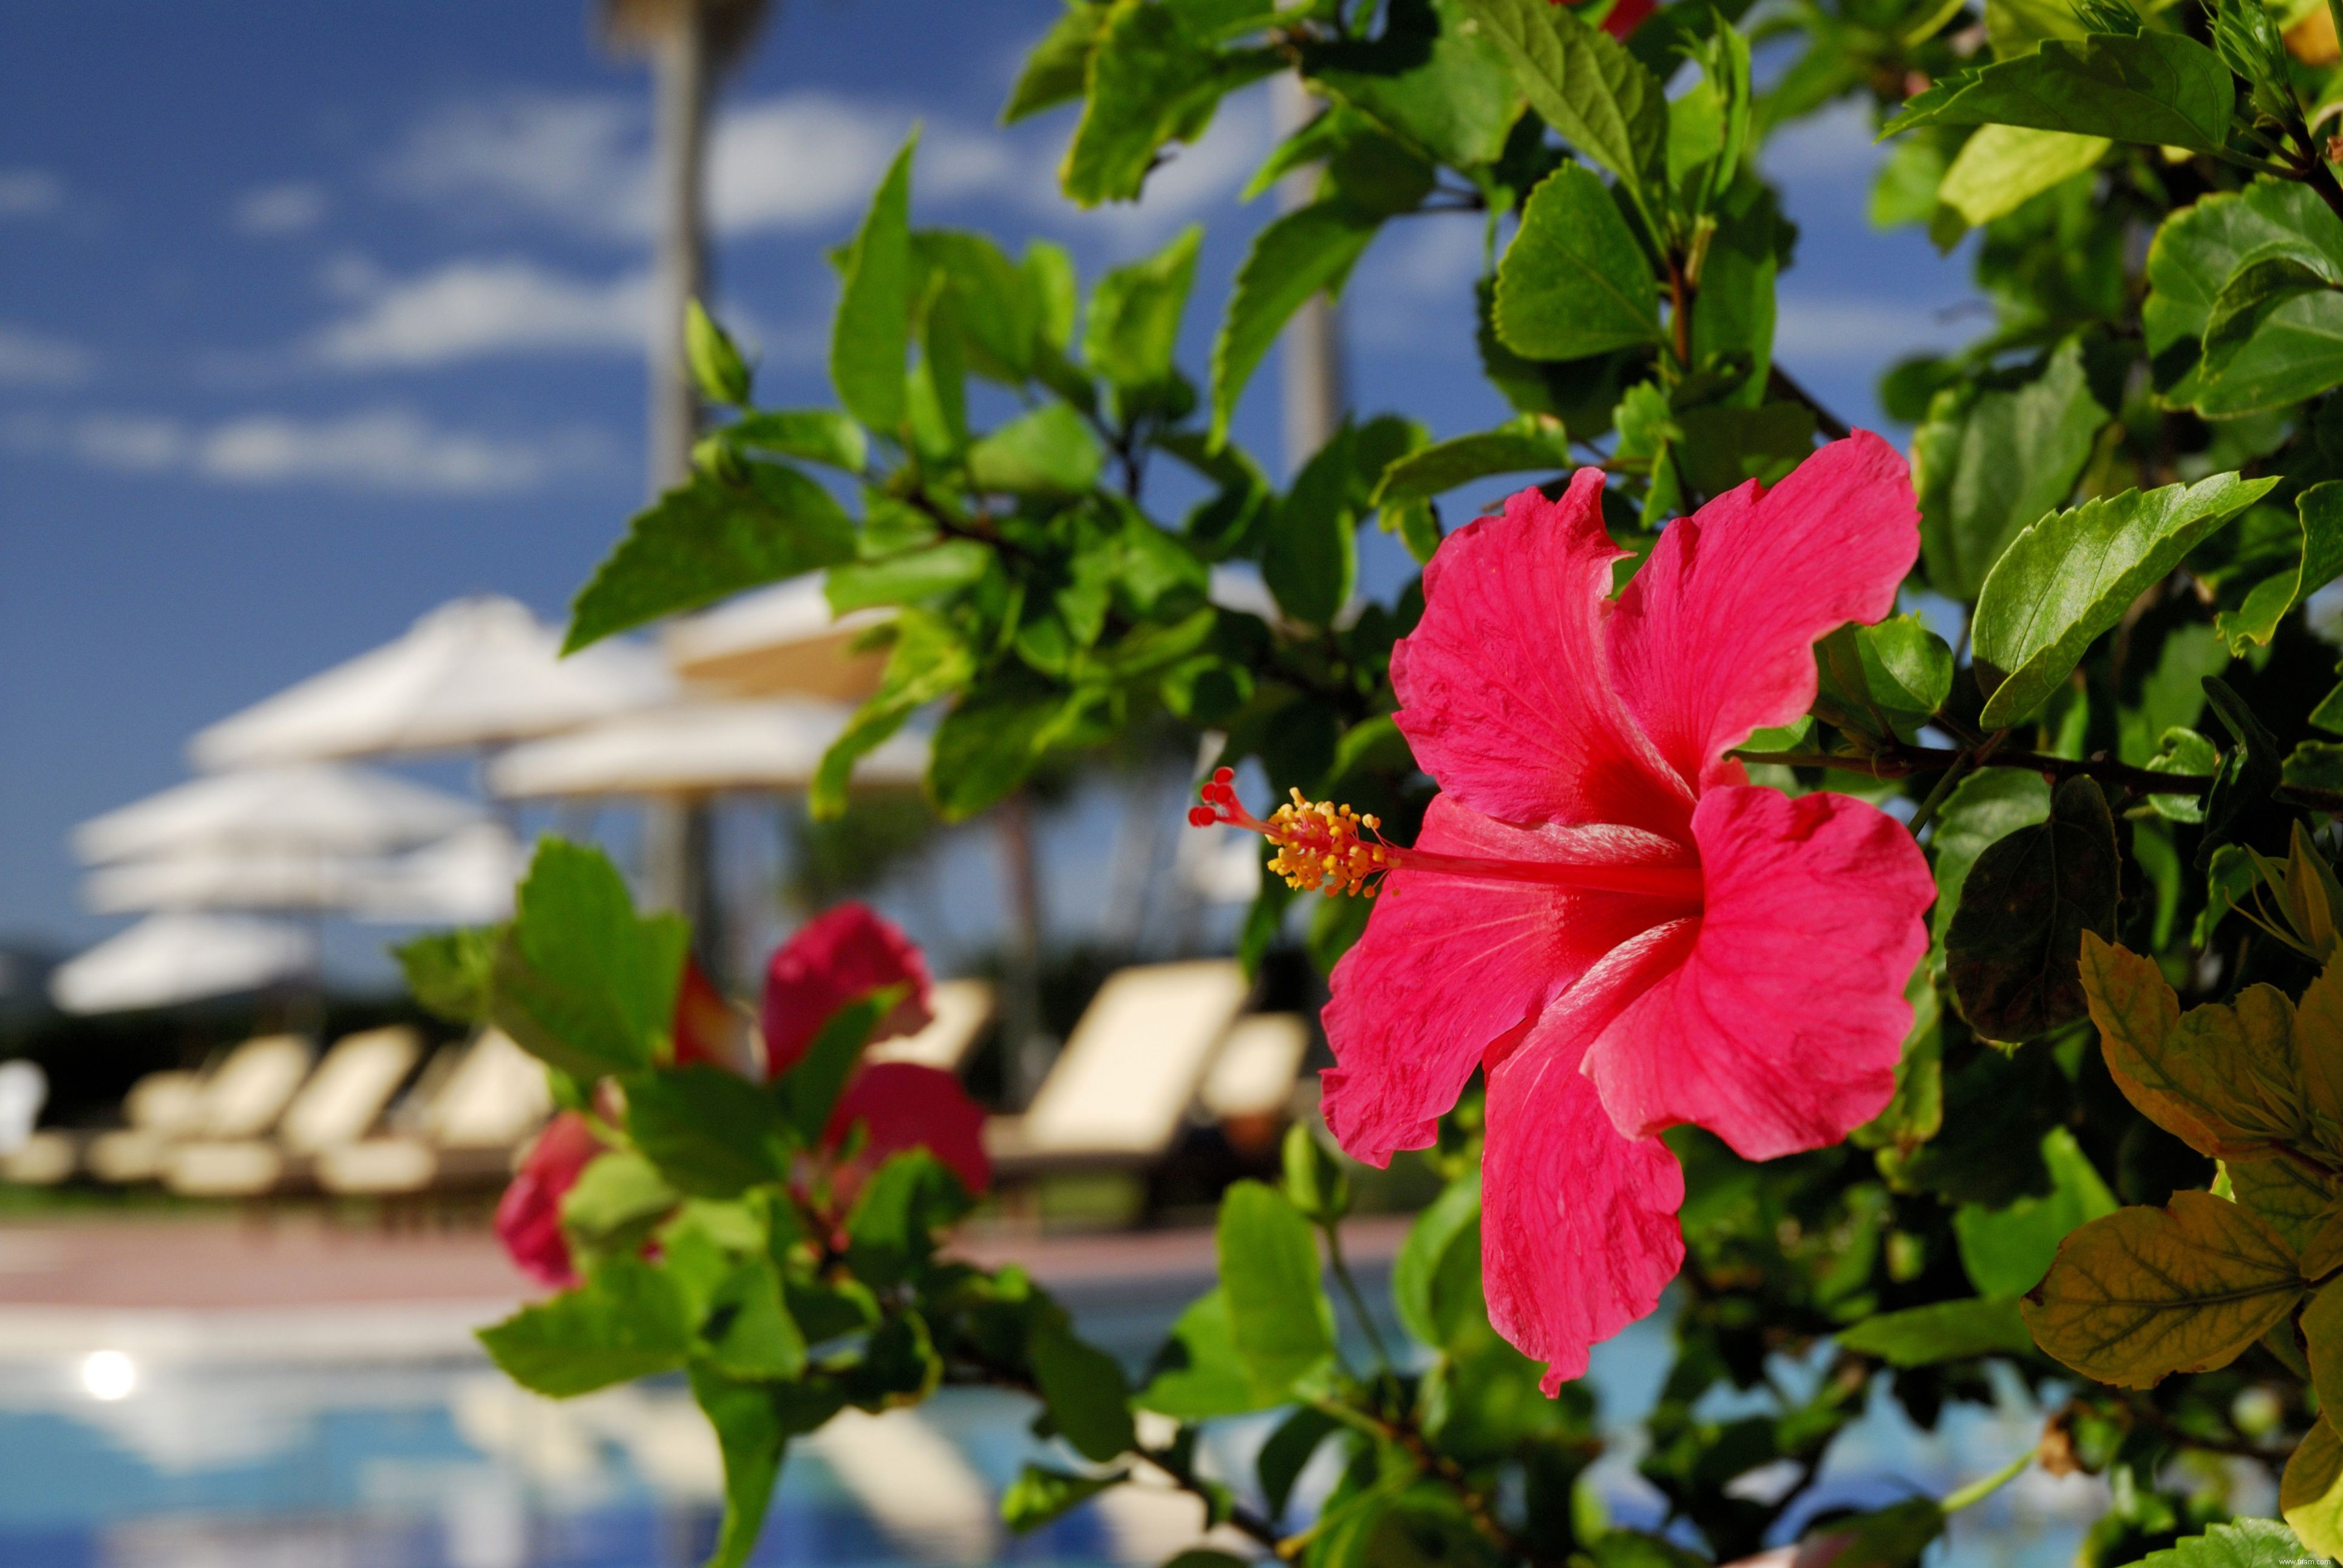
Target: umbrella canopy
<point>698,748</point>
<point>304,809</point>
<point>466,879</point>
<point>221,878</point>
<point>779,641</point>
<point>477,672</point>
<point>174,958</point>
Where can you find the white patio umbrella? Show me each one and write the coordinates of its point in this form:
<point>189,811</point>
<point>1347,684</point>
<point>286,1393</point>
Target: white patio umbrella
<point>276,881</point>
<point>474,673</point>
<point>305,811</point>
<point>698,748</point>
<point>778,641</point>
<point>467,878</point>
<point>174,958</point>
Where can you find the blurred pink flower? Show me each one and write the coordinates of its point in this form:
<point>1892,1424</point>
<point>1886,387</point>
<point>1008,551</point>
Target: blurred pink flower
<point>529,1216</point>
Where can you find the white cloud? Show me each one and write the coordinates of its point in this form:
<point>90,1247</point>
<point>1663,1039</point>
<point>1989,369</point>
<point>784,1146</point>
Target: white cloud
<point>33,358</point>
<point>29,193</point>
<point>799,160</point>
<point>472,309</point>
<point>292,206</point>
<point>578,158</point>
<point>388,450</point>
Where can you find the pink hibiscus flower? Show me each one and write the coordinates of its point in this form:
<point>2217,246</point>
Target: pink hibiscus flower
<point>528,1215</point>
<point>841,955</point>
<point>1602,913</point>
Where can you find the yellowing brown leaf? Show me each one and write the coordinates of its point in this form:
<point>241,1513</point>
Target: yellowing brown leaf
<point>2318,1047</point>
<point>2291,1198</point>
<point>2145,1292</point>
<point>2311,1494</point>
<point>2224,1081</point>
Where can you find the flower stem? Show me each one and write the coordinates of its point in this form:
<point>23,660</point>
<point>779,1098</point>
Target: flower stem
<point>1979,1490</point>
<point>1351,1293</point>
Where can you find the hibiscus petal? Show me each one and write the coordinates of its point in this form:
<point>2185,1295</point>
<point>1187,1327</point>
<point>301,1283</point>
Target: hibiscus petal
<point>528,1215</point>
<point>1578,1224</point>
<point>836,957</point>
<point>709,1028</point>
<point>902,1105</point>
<point>1503,686</point>
<point>1781,1029</point>
<point>1448,965</point>
<point>1714,637</point>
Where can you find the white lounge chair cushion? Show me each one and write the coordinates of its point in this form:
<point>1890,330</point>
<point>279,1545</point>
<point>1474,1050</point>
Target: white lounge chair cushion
<point>247,1092</point>
<point>960,1009</point>
<point>43,1159</point>
<point>165,1102</point>
<point>377,1166</point>
<point>237,1167</point>
<point>346,1094</point>
<point>128,1155</point>
<point>1123,1085</point>
<point>1258,1065</point>
<point>497,1097</point>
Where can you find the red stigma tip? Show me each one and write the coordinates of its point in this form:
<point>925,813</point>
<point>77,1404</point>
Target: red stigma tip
<point>1200,817</point>
<point>1224,776</point>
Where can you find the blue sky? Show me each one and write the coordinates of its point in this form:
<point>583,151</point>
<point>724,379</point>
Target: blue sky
<point>314,317</point>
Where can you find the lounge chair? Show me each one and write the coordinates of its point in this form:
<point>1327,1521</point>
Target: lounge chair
<point>1118,1095</point>
<point>1250,1088</point>
<point>960,1009</point>
<point>345,1096</point>
<point>242,1097</point>
<point>484,1108</point>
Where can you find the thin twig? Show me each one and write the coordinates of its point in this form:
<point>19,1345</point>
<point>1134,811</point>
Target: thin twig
<point>1779,383</point>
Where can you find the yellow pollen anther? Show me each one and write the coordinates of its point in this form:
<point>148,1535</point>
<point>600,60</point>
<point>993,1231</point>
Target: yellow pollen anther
<point>1320,848</point>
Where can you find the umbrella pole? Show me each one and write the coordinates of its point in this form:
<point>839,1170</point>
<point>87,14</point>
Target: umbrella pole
<point>1028,1053</point>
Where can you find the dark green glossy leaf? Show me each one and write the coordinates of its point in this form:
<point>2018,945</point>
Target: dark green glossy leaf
<point>1573,283</point>
<point>2160,88</point>
<point>2070,577</point>
<point>1153,78</point>
<point>1428,77</point>
<point>871,333</point>
<point>929,661</point>
<point>2012,946</point>
<point>711,1132</point>
<point>1089,1400</point>
<point>1585,84</point>
<point>1135,311</point>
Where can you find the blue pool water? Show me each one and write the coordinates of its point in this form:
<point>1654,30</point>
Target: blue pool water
<point>433,1461</point>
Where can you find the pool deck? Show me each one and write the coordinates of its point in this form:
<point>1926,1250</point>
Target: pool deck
<point>295,1286</point>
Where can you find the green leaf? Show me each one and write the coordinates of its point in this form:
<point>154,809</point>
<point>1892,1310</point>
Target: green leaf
<point>1315,1182</point>
<point>2225,1080</point>
<point>1449,1223</point>
<point>1301,254</point>
<point>628,1320</point>
<point>929,661</point>
<point>892,1228</point>
<point>2012,948</point>
<point>1985,464</point>
<point>1153,78</point>
<point>749,1332</point>
<point>1940,1331</point>
<point>579,981</point>
<point>1047,452</point>
<point>706,538</point>
<point>1198,1374</point>
<point>907,579</point>
<point>2160,88</point>
<point>447,971</point>
<point>1041,1494</point>
<point>1053,71</point>
<point>1532,443</point>
<point>619,1200</point>
<point>1135,311</point>
<point>1089,1400</point>
<point>2310,1495</point>
<point>2002,167</point>
<point>1573,283</point>
<point>871,333</point>
<point>751,1437</point>
<point>2255,622</point>
<point>1431,76</point>
<point>2070,577</point>
<point>2238,809</point>
<point>711,1132</point>
<point>1287,1453</point>
<point>2147,1293</point>
<point>1985,807</point>
<point>1311,561</point>
<point>1585,84</point>
<point>2007,1250</point>
<point>807,1092</point>
<point>2192,259</point>
<point>814,435</point>
<point>2247,1543</point>
<point>1723,445</point>
<point>716,364</point>
<point>991,741</point>
<point>1280,1321</point>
